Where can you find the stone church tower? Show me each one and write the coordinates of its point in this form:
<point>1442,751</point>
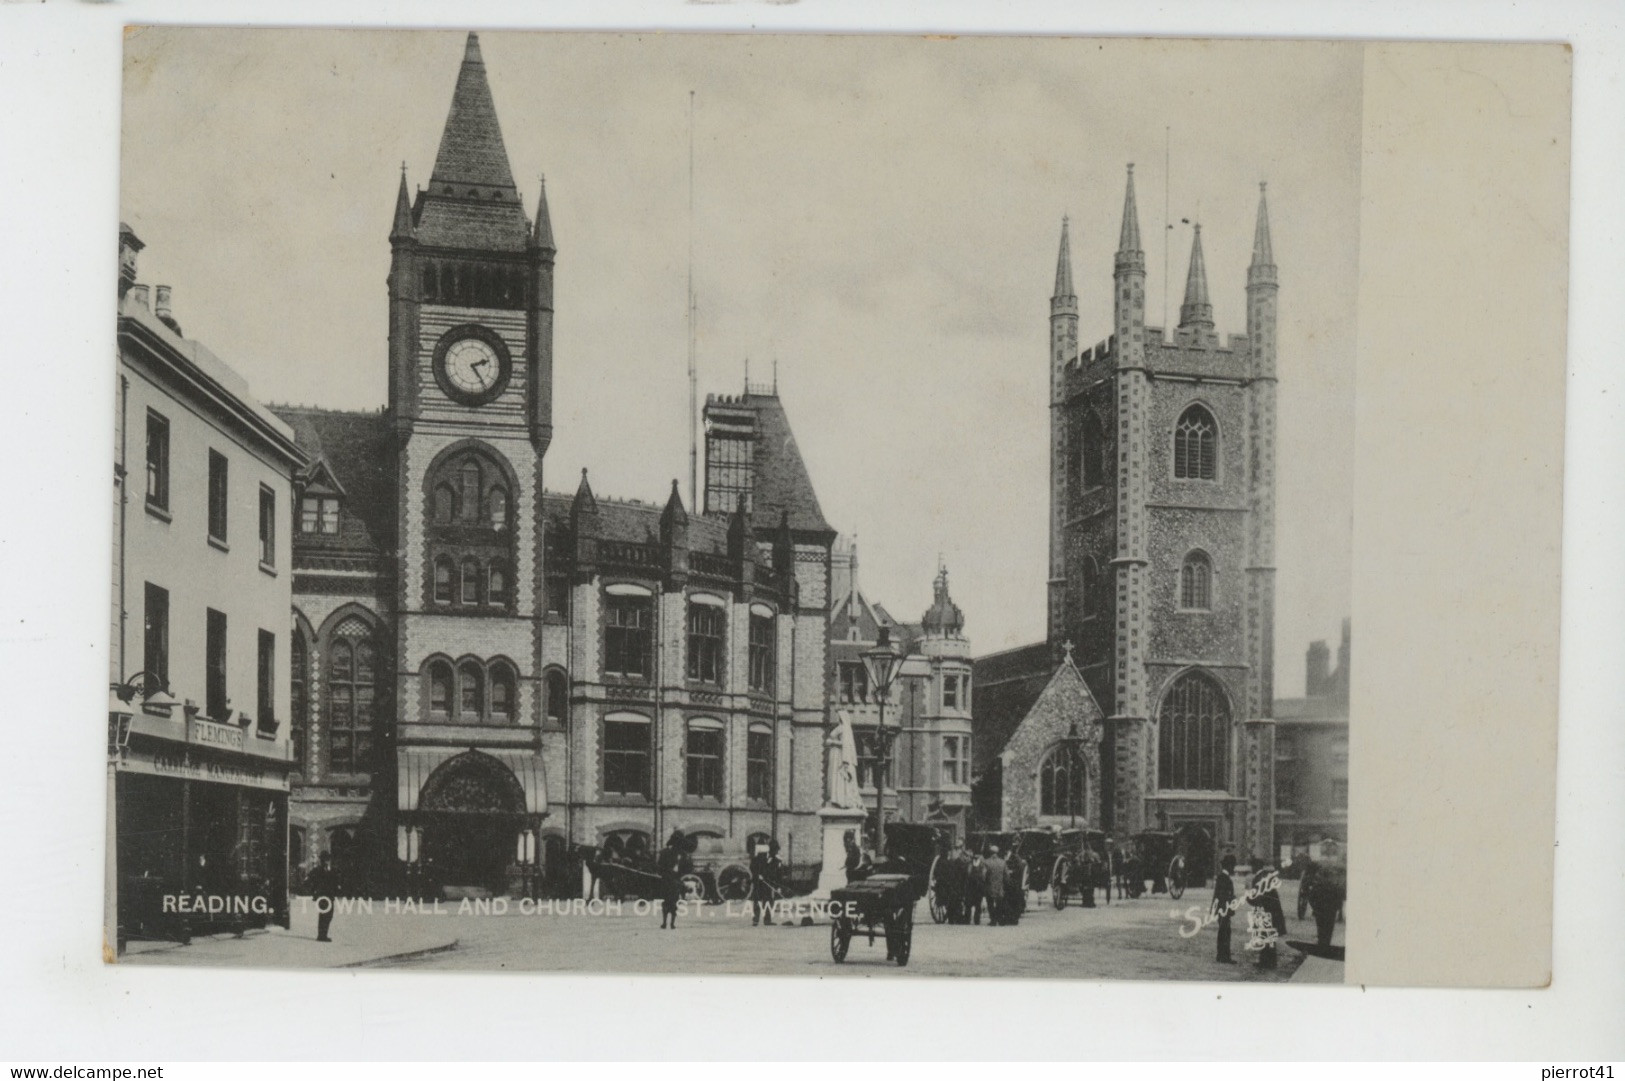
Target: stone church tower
<point>1162,525</point>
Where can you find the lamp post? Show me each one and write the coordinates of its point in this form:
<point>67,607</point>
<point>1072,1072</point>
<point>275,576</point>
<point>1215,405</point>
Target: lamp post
<point>882,663</point>
<point>1074,742</point>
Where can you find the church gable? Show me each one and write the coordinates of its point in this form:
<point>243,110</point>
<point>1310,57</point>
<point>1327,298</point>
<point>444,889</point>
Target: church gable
<point>1064,701</point>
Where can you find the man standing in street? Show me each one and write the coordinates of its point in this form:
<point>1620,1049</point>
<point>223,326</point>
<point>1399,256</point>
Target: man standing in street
<point>1016,887</point>
<point>323,886</point>
<point>995,875</point>
<point>1224,905</point>
<point>766,880</point>
<point>1265,895</point>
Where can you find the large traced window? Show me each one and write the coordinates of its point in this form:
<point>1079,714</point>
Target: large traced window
<point>627,637</point>
<point>352,688</point>
<point>1193,739</point>
<point>702,756</point>
<point>763,655</point>
<point>707,630</point>
<point>1196,445</point>
<point>469,533</point>
<point>759,762</point>
<point>626,755</point>
<point>1196,582</point>
<point>1061,783</point>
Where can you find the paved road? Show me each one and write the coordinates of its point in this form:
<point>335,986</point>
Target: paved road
<point>1126,940</point>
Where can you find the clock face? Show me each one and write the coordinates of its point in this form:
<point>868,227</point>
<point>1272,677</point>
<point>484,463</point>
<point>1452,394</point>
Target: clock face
<point>473,369</point>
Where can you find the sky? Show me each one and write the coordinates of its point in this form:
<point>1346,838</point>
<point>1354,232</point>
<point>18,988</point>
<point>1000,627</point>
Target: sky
<point>878,217</point>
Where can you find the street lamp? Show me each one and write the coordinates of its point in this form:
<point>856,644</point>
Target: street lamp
<point>120,711</point>
<point>1074,742</point>
<point>882,663</point>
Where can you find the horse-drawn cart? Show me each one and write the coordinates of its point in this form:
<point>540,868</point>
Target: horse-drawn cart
<point>882,904</point>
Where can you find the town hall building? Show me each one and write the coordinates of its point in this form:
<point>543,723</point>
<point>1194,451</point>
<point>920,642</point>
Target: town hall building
<point>489,676</point>
<point>1161,580</point>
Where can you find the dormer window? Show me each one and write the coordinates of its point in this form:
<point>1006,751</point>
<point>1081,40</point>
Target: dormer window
<point>319,514</point>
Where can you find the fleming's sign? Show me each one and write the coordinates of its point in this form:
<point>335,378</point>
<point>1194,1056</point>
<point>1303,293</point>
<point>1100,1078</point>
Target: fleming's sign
<point>209,734</point>
<point>188,764</point>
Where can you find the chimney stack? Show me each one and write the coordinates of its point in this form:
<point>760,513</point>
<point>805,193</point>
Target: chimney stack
<point>1317,676</point>
<point>160,308</point>
<point>138,294</point>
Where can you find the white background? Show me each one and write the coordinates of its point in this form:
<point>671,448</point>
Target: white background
<point>59,89</point>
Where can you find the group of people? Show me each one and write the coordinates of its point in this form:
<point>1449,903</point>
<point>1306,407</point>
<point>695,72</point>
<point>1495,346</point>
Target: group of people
<point>1320,888</point>
<point>994,880</point>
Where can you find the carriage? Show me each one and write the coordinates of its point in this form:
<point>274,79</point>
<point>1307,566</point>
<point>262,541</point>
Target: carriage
<point>718,874</point>
<point>626,869</point>
<point>918,851</point>
<point>1163,857</point>
<point>1068,862</point>
<point>881,903</point>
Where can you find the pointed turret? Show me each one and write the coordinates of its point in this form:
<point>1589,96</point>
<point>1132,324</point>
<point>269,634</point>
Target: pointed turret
<point>1063,266</point>
<point>402,228</point>
<point>541,236</point>
<point>1129,251</point>
<point>1262,269</point>
<point>674,514</point>
<point>1197,310</point>
<point>585,502</point>
<point>584,524</point>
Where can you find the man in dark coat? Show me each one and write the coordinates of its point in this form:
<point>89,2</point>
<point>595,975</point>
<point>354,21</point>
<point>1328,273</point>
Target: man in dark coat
<point>672,864</point>
<point>1326,896</point>
<point>1306,884</point>
<point>1015,890</point>
<point>766,883</point>
<point>323,885</point>
<point>995,879</point>
<point>975,888</point>
<point>1224,905</point>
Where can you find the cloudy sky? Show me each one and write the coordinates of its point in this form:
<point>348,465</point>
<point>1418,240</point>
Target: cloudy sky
<point>878,215</point>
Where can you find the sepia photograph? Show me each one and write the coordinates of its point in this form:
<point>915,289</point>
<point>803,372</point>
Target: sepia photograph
<point>725,504</point>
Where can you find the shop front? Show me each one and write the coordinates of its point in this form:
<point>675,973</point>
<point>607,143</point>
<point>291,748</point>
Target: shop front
<point>201,834</point>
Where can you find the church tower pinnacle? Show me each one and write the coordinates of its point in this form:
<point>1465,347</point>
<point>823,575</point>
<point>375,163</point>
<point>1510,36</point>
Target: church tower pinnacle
<point>1197,310</point>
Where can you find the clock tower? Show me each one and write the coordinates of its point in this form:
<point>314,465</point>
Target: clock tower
<point>470,408</point>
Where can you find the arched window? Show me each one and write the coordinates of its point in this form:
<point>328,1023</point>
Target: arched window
<point>557,690</point>
<point>299,701</point>
<point>445,504</point>
<point>470,692</point>
<point>1061,783</point>
<point>440,684</point>
<point>502,692</point>
<point>1091,451</point>
<point>443,575</point>
<point>468,489</point>
<point>1193,739</point>
<point>1196,445</point>
<point>1196,582</point>
<point>497,591</point>
<point>351,690</point>
<point>471,582</point>
<point>497,507</point>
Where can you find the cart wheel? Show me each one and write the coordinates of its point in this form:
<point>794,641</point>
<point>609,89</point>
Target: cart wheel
<point>693,887</point>
<point>1058,882</point>
<point>840,940</point>
<point>1176,878</point>
<point>733,883</point>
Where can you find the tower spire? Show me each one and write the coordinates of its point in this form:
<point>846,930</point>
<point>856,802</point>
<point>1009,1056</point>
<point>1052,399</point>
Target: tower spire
<point>1197,311</point>
<point>472,154</point>
<point>1263,264</point>
<point>541,235</point>
<point>1129,240</point>
<point>1063,264</point>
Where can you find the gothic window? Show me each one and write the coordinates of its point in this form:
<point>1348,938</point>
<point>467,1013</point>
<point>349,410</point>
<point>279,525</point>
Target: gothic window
<point>470,692</point>
<point>557,702</point>
<point>627,635</point>
<point>763,655</point>
<point>441,682</point>
<point>1196,445</point>
<point>497,507</point>
<point>759,763</point>
<point>445,504</point>
<point>1196,582</point>
<point>707,627</point>
<point>352,680</point>
<point>444,573</point>
<point>1061,783</point>
<point>702,754</point>
<point>502,692</point>
<point>470,582</point>
<point>1193,738</point>
<point>468,489</point>
<point>430,282</point>
<point>497,591</point>
<point>626,755</point>
<point>1091,451</point>
<point>298,702</point>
